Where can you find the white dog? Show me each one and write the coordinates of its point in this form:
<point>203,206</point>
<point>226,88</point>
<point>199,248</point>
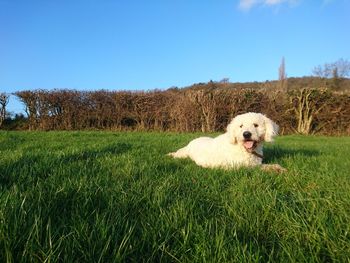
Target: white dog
<point>240,146</point>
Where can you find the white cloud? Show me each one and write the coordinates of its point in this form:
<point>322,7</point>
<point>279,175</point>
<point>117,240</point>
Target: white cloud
<point>248,4</point>
<point>326,2</point>
<point>273,2</point>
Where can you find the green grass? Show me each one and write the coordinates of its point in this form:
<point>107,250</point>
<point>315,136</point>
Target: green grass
<point>116,197</point>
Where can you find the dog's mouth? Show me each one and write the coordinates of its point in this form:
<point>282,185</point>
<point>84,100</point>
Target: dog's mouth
<point>250,145</point>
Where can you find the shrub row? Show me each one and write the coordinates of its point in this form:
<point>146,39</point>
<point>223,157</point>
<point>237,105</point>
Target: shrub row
<point>203,107</point>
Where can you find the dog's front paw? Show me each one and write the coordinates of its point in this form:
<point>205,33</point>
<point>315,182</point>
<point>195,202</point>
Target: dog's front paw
<point>273,168</point>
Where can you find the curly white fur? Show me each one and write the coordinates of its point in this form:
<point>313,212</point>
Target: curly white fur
<point>232,149</point>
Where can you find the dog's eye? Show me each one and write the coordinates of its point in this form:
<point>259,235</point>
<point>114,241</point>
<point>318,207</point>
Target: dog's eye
<point>241,126</point>
<point>256,125</point>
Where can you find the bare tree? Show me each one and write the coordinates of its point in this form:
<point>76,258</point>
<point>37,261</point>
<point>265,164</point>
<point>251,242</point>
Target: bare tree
<point>29,99</point>
<point>103,108</point>
<point>4,99</point>
<point>282,76</point>
<point>184,113</point>
<point>225,80</point>
<point>307,104</point>
<point>207,101</point>
<point>339,68</point>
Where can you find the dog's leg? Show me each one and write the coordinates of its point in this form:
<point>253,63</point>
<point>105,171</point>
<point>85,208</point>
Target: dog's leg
<point>181,153</point>
<point>273,168</point>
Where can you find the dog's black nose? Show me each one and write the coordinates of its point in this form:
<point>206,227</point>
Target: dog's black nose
<point>247,135</point>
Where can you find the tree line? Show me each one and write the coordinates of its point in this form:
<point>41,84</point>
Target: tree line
<point>299,105</point>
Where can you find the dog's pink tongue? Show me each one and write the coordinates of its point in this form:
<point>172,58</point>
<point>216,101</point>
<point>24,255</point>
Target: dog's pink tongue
<point>248,144</point>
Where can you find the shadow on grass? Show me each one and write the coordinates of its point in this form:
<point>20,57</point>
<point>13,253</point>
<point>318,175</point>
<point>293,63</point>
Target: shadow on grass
<point>278,153</point>
<point>116,149</point>
<point>12,172</point>
<point>31,167</point>
<point>11,142</point>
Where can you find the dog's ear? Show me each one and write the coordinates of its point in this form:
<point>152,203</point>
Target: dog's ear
<point>231,133</point>
<point>271,129</point>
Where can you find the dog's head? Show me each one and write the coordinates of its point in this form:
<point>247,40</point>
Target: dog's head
<point>251,129</point>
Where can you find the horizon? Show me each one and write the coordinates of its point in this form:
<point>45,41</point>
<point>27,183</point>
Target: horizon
<point>121,45</point>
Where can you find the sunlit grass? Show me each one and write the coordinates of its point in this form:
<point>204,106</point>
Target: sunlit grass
<point>112,197</point>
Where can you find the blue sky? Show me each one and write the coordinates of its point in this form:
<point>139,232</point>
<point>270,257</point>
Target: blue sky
<point>131,44</point>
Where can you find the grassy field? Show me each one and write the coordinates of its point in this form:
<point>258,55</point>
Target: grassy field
<point>116,197</point>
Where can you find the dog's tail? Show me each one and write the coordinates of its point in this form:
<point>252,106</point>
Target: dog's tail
<point>181,153</point>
